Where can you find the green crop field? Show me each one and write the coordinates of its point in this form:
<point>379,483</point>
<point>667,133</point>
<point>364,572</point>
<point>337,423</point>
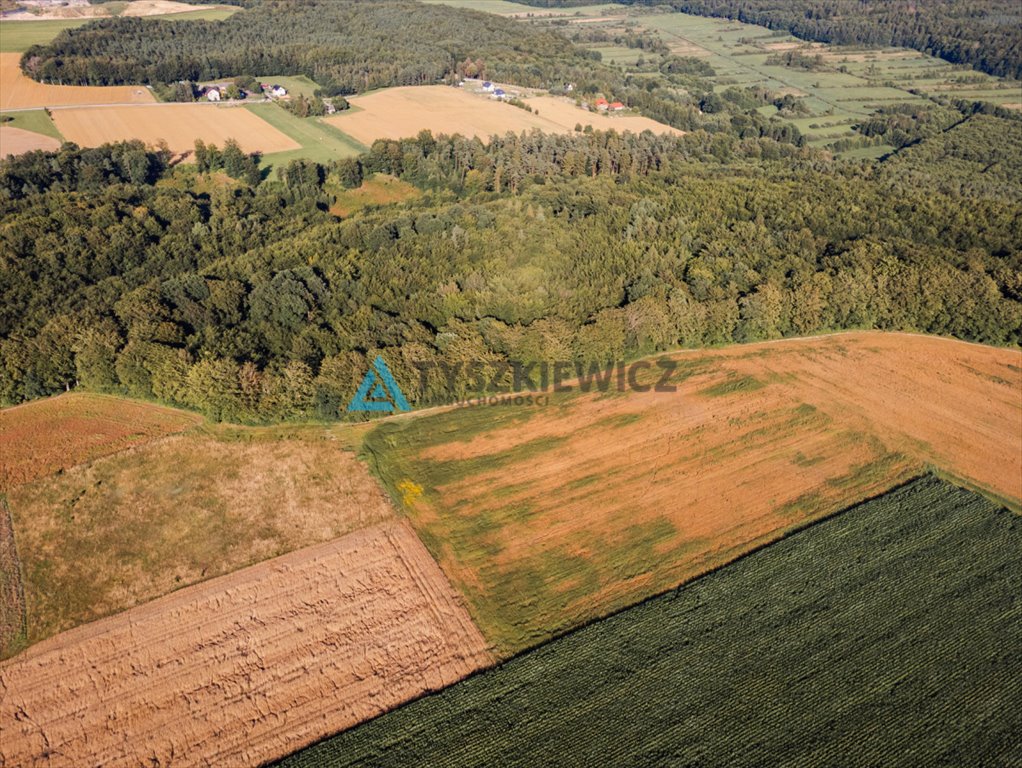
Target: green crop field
<point>890,634</point>
<point>36,120</point>
<point>16,36</point>
<point>320,142</point>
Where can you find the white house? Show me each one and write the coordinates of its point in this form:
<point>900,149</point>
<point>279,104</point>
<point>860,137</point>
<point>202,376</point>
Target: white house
<point>213,94</point>
<point>278,91</point>
<point>487,86</point>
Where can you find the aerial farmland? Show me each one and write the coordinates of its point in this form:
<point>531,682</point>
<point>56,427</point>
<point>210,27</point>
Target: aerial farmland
<point>510,383</point>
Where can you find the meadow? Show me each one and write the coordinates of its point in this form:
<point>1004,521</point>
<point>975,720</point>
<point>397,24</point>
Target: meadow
<point>893,623</point>
<point>34,120</point>
<point>51,435</point>
<point>128,528</point>
<point>548,517</point>
<point>314,138</point>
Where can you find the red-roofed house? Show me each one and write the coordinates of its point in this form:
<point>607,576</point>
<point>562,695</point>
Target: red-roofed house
<point>600,103</point>
<point>617,106</point>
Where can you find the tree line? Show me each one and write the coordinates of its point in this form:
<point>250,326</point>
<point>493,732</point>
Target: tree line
<point>253,302</point>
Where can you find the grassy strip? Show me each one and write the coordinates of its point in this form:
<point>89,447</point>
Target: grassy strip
<point>36,120</point>
<point>320,142</point>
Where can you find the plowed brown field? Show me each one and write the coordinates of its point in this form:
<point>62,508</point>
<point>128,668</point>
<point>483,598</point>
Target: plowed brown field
<point>44,436</point>
<point>245,668</point>
<point>18,91</point>
<point>550,516</point>
<point>180,125</point>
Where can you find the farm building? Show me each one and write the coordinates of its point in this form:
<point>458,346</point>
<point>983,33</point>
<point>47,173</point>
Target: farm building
<point>487,86</point>
<point>616,106</point>
<point>278,91</point>
<point>498,93</point>
<point>601,104</point>
<point>213,94</point>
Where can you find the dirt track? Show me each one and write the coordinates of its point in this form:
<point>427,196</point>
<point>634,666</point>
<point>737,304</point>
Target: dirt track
<point>245,668</point>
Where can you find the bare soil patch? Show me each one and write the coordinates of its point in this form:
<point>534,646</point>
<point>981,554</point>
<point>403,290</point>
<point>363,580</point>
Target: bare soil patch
<point>247,668</point>
<point>51,435</point>
<point>17,91</point>
<point>18,141</point>
<point>180,125</point>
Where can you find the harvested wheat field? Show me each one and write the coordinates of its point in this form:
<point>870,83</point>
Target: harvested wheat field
<point>180,125</point>
<point>51,435</point>
<point>550,516</point>
<point>246,668</point>
<point>395,113</point>
<point>18,141</point>
<point>124,529</point>
<point>17,91</point>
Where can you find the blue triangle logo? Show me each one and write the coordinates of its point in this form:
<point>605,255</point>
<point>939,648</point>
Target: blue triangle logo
<point>378,391</point>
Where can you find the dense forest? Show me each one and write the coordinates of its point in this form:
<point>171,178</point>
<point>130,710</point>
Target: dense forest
<point>251,301</point>
<point>345,46</point>
<point>984,34</point>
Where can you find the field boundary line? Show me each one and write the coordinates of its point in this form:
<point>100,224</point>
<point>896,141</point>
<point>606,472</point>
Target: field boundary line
<point>13,619</point>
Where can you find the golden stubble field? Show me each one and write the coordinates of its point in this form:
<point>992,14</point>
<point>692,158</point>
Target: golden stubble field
<point>548,517</point>
<point>17,91</point>
<point>395,113</point>
<point>247,668</point>
<point>179,125</point>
